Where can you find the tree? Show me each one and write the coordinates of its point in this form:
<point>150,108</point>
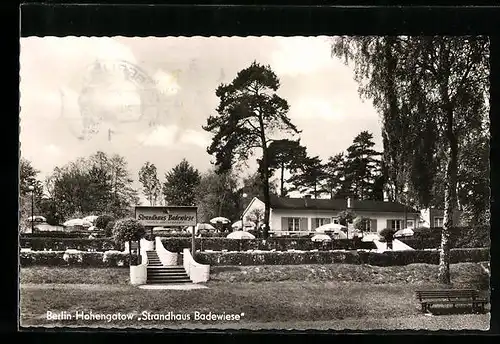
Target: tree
<point>387,235</point>
<point>124,195</point>
<point>217,195</point>
<point>256,216</point>
<point>473,182</point>
<point>334,181</point>
<point>180,183</point>
<point>150,182</point>
<point>129,230</point>
<point>362,224</point>
<point>108,230</point>
<point>50,210</point>
<point>361,166</point>
<point>249,114</point>
<point>254,187</point>
<point>346,216</point>
<point>309,177</point>
<point>427,113</point>
<point>28,177</point>
<point>94,184</point>
<point>102,221</point>
<point>285,154</point>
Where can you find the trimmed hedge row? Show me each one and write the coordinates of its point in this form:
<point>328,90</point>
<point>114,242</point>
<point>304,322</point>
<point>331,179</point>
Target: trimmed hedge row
<point>62,244</point>
<point>84,259</point>
<point>390,258</point>
<point>60,234</point>
<point>460,237</point>
<point>169,234</point>
<point>278,244</point>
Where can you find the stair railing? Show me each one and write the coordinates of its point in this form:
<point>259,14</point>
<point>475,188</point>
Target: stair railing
<point>166,257</point>
<point>198,273</point>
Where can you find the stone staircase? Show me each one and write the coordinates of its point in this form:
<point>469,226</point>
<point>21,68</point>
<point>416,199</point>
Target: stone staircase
<point>159,274</point>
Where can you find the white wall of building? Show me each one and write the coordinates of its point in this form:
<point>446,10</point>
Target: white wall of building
<point>255,204</point>
<point>276,222</point>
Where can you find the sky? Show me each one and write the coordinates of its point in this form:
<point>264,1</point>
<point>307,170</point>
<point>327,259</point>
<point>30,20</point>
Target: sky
<point>157,115</point>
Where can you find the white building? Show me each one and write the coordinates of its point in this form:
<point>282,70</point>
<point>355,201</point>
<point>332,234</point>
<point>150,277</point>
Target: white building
<point>434,218</point>
<point>306,214</point>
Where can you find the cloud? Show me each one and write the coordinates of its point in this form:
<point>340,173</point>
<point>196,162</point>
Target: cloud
<point>161,136</point>
<point>166,82</point>
<point>301,55</point>
<point>196,138</point>
<point>316,109</point>
<point>52,150</point>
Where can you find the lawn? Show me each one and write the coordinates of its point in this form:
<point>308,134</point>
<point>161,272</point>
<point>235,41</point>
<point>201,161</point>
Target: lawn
<point>334,296</point>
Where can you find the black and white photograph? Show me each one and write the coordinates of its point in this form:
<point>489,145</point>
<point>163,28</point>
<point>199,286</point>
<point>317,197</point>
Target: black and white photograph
<point>255,182</point>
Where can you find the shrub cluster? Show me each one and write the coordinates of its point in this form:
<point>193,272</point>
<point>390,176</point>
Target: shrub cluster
<point>390,258</point>
<point>204,234</point>
<point>276,243</point>
<point>277,258</point>
<point>76,258</point>
<point>61,234</point>
<point>460,237</point>
<point>61,244</point>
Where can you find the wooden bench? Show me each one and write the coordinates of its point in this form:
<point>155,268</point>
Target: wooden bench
<point>454,297</point>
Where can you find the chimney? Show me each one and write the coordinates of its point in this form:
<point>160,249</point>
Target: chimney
<point>306,197</point>
<point>349,202</point>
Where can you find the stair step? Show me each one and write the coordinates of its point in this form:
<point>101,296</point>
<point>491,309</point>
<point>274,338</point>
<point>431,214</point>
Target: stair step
<point>168,275</point>
<point>169,282</point>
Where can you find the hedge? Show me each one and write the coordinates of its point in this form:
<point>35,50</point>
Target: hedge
<point>460,237</point>
<point>169,234</point>
<point>277,243</point>
<point>61,244</point>
<point>60,234</point>
<point>390,258</point>
<point>79,258</point>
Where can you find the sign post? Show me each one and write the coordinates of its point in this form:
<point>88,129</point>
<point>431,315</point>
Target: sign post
<point>193,240</point>
<point>168,216</point>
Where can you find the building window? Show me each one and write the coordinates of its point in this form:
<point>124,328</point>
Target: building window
<point>438,222</point>
<point>410,224</point>
<point>368,225</point>
<point>395,224</point>
<point>320,221</point>
<point>294,223</point>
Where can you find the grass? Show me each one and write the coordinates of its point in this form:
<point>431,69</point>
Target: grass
<point>338,295</point>
<point>75,275</point>
<point>462,274</point>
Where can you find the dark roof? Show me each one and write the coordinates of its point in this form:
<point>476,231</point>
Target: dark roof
<point>338,204</point>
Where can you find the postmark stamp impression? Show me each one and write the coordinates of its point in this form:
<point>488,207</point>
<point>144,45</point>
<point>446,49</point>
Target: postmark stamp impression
<point>108,94</point>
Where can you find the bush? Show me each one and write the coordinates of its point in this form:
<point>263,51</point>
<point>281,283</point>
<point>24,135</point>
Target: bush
<point>387,234</point>
<point>276,243</point>
<point>109,229</point>
<point>128,230</point>
<point>79,258</point>
<point>277,258</point>
<point>390,258</point>
<point>57,234</point>
<point>102,221</point>
<point>460,237</point>
<point>61,244</point>
<point>361,224</point>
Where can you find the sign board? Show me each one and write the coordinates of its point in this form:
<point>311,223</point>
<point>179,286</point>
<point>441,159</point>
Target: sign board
<point>166,216</point>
